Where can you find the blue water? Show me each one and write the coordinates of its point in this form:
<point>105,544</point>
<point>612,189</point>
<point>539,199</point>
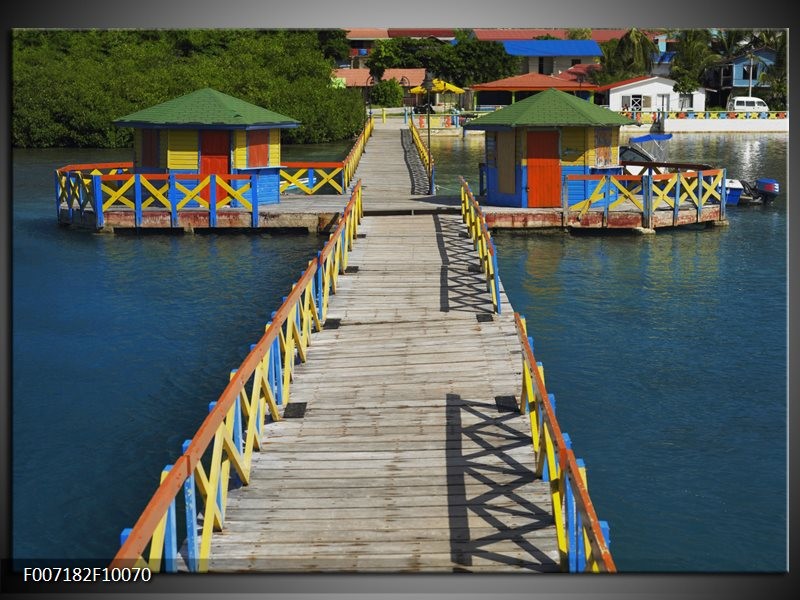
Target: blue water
<point>667,356</point>
<point>119,344</point>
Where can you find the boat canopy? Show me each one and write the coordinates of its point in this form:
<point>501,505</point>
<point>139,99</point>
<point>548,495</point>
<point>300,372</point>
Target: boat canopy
<point>651,137</point>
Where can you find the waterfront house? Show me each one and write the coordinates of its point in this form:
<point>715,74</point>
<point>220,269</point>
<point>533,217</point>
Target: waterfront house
<point>551,57</point>
<point>648,94</point>
<point>210,133</point>
<point>742,73</point>
<point>533,144</point>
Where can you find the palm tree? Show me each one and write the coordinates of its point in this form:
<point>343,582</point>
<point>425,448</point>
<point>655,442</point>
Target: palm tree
<point>693,56</point>
<point>635,52</point>
<point>624,58</point>
<point>774,76</point>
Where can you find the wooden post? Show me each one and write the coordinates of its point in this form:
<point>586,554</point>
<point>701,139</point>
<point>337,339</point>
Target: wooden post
<point>137,198</point>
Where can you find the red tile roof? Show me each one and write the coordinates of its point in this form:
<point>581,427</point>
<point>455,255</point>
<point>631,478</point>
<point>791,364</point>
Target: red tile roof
<point>359,77</point>
<point>616,84</point>
<point>422,33</point>
<point>580,70</point>
<point>533,82</point>
<point>367,33</point>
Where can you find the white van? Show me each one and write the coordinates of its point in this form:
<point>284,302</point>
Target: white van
<point>746,103</point>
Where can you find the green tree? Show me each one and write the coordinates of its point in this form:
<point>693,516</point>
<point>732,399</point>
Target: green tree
<point>467,61</point>
<point>693,56</point>
<point>387,93</point>
<point>774,76</point>
<point>581,33</point>
<point>69,86</point>
<point>624,58</point>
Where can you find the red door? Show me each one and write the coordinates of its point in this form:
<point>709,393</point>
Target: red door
<point>215,153</point>
<point>544,170</point>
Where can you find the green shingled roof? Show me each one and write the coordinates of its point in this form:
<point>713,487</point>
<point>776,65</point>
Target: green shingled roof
<point>550,108</point>
<point>206,108</point>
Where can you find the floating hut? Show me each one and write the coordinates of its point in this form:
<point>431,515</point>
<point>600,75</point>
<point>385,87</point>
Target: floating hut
<point>533,144</point>
<point>210,133</point>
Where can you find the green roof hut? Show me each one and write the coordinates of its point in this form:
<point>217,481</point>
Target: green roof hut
<point>533,144</point>
<point>210,133</point>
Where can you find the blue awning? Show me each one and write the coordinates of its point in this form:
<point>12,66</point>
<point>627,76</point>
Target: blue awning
<point>652,137</point>
<point>553,48</point>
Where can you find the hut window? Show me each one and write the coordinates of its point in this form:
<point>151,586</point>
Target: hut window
<point>258,148</point>
<point>686,101</point>
<point>602,154</point>
<point>150,148</point>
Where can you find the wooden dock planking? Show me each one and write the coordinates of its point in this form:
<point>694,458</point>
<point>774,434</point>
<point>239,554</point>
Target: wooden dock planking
<point>408,457</point>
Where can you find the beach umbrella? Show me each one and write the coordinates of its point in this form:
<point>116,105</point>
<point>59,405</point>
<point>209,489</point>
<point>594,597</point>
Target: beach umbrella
<point>439,86</point>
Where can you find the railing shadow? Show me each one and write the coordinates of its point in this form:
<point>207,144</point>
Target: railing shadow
<point>462,285</point>
<point>501,507</point>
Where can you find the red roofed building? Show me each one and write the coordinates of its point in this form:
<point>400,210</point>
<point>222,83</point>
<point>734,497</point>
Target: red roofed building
<point>511,89</point>
<point>579,73</point>
<point>361,42</point>
<point>360,78</point>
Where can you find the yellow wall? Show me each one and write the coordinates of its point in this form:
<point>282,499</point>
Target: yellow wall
<point>274,147</point>
<point>182,152</point>
<point>574,146</point>
<point>239,149</point>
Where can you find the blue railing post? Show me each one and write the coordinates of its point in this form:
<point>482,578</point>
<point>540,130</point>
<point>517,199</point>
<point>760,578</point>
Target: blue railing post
<point>170,536</point>
<point>699,194</point>
<point>320,282</point>
<point>190,503</point>
<point>570,514</point>
<point>606,529</point>
<point>723,195</point>
<point>275,353</point>
<point>496,276</point>
<point>123,536</point>
<point>312,178</point>
<point>254,200</point>
<point>647,201</point>
<point>676,204</point>
<point>137,199</point>
<point>580,548</point>
<point>172,195</point>
<point>212,203</point>
<point>97,191</point>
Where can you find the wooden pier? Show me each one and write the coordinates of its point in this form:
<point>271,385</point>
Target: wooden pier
<point>411,455</point>
<point>392,418</point>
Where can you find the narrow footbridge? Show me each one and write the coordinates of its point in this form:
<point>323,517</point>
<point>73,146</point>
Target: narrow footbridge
<point>392,418</point>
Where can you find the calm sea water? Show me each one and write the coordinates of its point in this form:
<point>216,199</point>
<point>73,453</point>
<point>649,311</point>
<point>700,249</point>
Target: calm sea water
<point>667,356</point>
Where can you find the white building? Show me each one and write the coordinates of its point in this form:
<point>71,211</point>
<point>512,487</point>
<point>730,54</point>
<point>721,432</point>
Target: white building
<point>649,93</point>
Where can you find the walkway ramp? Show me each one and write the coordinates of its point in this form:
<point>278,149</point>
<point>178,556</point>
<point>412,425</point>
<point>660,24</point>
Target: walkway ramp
<point>410,455</point>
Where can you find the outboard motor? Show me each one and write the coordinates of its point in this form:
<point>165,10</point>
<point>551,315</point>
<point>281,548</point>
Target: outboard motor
<point>767,189</point>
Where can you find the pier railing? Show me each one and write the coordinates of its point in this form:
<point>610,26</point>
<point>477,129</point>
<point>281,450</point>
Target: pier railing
<point>219,456</point>
<point>311,177</point>
<point>87,191</point>
<point>424,153</point>
<point>647,117</point>
<point>583,540</point>
<point>473,217</point>
<point>645,193</point>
